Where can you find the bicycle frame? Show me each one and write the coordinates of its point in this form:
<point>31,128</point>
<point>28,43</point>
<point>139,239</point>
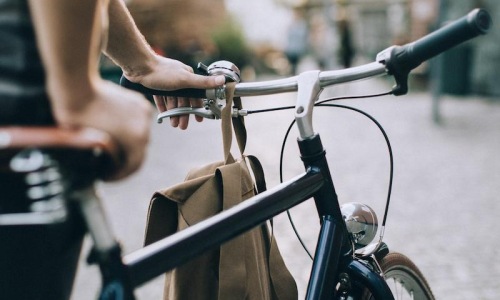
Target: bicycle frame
<point>334,257</point>
<point>334,253</point>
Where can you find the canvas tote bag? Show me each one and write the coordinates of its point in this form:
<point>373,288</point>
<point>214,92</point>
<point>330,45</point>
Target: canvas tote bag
<point>249,266</point>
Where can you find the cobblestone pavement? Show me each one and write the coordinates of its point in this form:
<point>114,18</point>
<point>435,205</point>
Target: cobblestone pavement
<point>445,200</point>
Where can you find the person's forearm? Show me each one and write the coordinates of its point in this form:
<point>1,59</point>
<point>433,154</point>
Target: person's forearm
<point>126,46</point>
<point>69,45</point>
<point>70,36</point>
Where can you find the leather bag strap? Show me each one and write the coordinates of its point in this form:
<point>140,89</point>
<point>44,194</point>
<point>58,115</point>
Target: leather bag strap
<point>258,173</point>
<point>232,268</point>
<point>228,122</point>
<point>283,283</point>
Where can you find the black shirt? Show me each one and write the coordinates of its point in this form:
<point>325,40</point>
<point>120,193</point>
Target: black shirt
<point>23,99</point>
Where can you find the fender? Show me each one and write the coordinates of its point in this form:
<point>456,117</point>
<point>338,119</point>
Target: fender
<point>362,273</point>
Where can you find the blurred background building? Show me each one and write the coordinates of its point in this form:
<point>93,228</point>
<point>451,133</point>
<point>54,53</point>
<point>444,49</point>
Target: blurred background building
<point>255,34</point>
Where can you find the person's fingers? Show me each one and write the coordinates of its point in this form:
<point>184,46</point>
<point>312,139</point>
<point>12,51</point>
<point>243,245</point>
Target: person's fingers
<point>133,163</point>
<point>133,141</point>
<point>172,103</point>
<point>160,102</point>
<point>184,119</point>
<point>196,103</point>
<point>204,82</point>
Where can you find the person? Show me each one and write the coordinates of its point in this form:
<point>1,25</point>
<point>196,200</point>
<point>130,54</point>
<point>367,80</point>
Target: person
<point>346,51</point>
<point>297,41</point>
<point>49,75</point>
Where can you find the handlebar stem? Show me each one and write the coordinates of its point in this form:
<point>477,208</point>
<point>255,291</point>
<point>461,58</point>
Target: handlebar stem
<point>308,92</point>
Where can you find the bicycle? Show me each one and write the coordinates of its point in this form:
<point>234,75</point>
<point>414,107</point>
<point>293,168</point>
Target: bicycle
<point>349,263</point>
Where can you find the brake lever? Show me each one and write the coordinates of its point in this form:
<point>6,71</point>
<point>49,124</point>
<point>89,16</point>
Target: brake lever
<point>202,112</point>
<point>215,99</point>
<point>212,109</point>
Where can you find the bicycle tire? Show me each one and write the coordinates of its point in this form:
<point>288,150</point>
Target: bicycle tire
<point>404,279</point>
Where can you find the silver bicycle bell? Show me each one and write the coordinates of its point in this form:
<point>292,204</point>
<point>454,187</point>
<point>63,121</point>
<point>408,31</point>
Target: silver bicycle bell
<point>222,67</point>
<point>361,222</point>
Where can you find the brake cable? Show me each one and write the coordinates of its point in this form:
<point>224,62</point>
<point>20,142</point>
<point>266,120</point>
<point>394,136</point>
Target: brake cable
<point>324,104</point>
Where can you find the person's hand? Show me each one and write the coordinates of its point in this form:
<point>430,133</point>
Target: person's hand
<point>164,103</point>
<point>122,113</point>
<point>169,74</point>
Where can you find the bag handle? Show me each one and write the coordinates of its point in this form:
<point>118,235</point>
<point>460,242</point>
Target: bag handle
<point>228,123</point>
<point>258,173</point>
<point>232,266</point>
<point>283,284</point>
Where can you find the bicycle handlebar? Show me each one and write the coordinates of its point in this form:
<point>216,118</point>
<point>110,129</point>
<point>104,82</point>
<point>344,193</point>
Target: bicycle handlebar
<point>396,60</point>
<point>400,60</point>
<point>188,93</point>
<point>473,24</point>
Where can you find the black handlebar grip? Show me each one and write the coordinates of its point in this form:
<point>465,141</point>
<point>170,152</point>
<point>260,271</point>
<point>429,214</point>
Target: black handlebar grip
<point>475,23</point>
<point>187,93</point>
<point>400,60</point>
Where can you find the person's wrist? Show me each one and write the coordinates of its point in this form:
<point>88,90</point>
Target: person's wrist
<point>140,67</point>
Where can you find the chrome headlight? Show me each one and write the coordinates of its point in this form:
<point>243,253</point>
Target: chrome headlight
<point>361,222</point>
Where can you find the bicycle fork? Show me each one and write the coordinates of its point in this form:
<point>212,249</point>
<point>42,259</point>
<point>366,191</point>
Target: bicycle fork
<point>334,260</point>
<point>334,253</point>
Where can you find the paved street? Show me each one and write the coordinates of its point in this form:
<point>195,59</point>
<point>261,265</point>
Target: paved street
<point>445,200</point>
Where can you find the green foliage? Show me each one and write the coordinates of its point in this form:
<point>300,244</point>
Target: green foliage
<point>230,43</point>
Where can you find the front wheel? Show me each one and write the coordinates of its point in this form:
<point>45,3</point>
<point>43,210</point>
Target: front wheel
<point>403,278</point>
